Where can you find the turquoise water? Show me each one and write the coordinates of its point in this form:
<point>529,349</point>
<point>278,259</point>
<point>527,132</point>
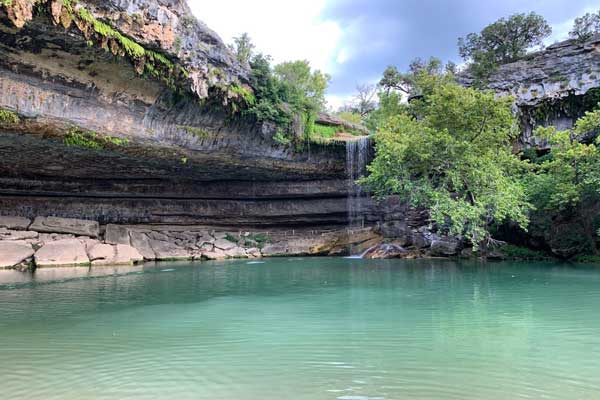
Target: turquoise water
<point>304,329</point>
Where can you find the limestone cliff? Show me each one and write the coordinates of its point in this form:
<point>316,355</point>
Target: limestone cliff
<point>551,87</point>
<point>554,87</point>
<point>123,111</point>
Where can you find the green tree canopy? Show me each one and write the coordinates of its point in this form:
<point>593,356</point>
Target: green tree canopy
<point>303,85</point>
<point>409,83</point>
<point>450,152</point>
<point>396,87</point>
<point>504,41</point>
<point>570,173</point>
<point>243,48</point>
<point>586,26</point>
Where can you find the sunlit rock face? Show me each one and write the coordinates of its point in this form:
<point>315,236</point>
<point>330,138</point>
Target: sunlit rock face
<point>163,147</point>
<point>551,87</point>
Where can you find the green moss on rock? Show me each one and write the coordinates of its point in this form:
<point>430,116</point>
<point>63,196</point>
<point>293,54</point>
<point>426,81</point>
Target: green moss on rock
<point>9,117</point>
<point>91,140</point>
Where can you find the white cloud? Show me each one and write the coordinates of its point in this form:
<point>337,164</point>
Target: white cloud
<point>285,30</point>
<point>561,30</point>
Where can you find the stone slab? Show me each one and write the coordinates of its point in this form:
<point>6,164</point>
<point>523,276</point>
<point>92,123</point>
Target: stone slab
<point>166,251</point>
<point>140,241</point>
<point>12,254</point>
<point>72,226</point>
<point>9,234</point>
<point>62,253</point>
<point>117,234</point>
<point>224,244</point>
<point>16,223</point>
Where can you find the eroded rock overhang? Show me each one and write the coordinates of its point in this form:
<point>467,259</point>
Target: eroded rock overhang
<point>555,86</point>
<point>101,136</point>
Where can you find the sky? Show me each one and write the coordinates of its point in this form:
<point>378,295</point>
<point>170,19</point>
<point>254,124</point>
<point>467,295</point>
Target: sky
<point>355,40</point>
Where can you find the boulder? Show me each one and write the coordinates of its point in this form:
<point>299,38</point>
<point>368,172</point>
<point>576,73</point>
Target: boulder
<point>397,230</point>
<point>444,247</point>
<point>385,251</point>
<point>343,244</point>
<point>253,252</point>
<point>13,254</point>
<point>217,254</point>
<point>236,252</point>
<point>167,251</point>
<point>140,241</point>
<point>275,250</point>
<point>127,255</point>
<point>205,238</point>
<point>224,244</point>
<point>423,238</point>
<point>101,252</point>
<point>16,223</point>
<point>7,234</point>
<point>72,226</point>
<point>62,253</point>
<point>205,247</point>
<point>116,234</point>
<point>120,254</point>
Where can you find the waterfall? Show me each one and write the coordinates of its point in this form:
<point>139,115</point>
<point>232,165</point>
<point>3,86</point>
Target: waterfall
<point>357,157</point>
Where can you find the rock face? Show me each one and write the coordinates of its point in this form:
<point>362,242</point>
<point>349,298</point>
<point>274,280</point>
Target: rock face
<point>551,87</point>
<point>97,140</point>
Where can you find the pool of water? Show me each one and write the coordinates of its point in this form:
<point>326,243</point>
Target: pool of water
<point>303,329</point>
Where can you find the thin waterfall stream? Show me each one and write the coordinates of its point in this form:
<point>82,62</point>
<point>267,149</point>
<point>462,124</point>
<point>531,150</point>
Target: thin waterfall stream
<point>358,154</point>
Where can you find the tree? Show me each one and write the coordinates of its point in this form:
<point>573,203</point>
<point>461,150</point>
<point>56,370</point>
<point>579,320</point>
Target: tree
<point>395,87</point>
<point>504,41</point>
<point>365,99</point>
<point>302,85</point>
<point>363,102</point>
<point>564,187</point>
<point>406,83</point>
<point>586,26</point>
<point>243,48</point>
<point>450,153</point>
<point>570,173</point>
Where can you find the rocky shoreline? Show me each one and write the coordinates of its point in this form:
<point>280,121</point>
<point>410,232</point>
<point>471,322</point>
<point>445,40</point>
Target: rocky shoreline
<point>49,242</point>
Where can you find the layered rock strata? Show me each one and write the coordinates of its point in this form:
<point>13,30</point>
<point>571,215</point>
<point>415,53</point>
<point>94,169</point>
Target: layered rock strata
<point>555,86</point>
<point>123,112</point>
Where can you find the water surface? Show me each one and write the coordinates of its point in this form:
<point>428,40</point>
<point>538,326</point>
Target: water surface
<point>303,329</point>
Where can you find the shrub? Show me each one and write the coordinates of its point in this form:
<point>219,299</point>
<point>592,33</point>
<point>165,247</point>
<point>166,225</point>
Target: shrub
<point>9,117</point>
